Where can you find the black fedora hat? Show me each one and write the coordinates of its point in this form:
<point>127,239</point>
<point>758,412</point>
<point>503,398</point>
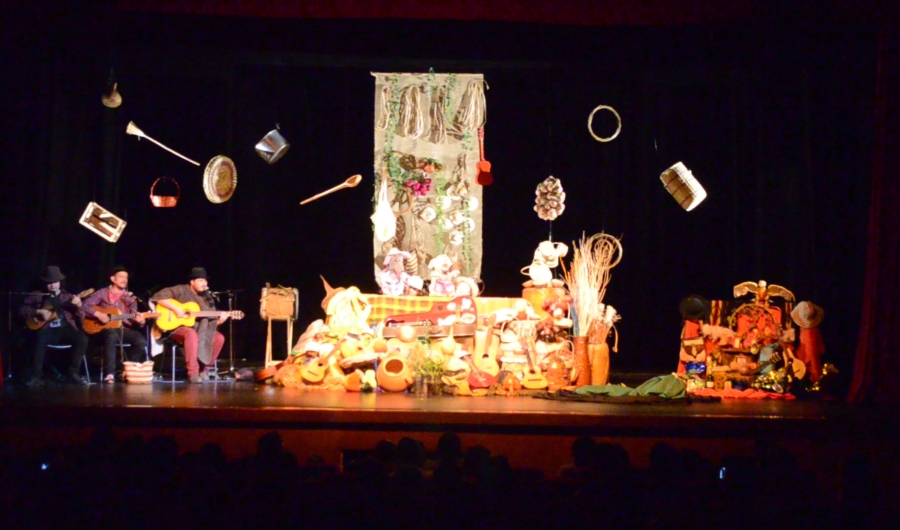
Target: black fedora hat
<point>694,307</point>
<point>198,272</point>
<point>52,274</point>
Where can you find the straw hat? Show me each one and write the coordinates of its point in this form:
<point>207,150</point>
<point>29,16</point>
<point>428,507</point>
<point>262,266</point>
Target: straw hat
<point>694,307</point>
<point>395,252</point>
<point>807,315</point>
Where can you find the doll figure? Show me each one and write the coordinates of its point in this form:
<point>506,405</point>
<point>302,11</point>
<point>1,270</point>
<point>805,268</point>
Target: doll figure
<point>442,275</point>
<point>393,279</point>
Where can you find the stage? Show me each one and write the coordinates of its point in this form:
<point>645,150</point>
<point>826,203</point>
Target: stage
<point>532,433</point>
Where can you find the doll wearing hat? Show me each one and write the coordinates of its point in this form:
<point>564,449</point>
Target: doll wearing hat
<point>393,278</point>
<point>808,316</point>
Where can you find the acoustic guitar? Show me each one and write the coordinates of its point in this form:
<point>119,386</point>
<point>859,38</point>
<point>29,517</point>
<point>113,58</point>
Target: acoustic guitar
<point>533,379</point>
<point>485,356</point>
<point>34,323</point>
<point>93,326</point>
<point>168,320</point>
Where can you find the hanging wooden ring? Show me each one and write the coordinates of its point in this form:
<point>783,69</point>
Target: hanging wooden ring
<point>591,124</point>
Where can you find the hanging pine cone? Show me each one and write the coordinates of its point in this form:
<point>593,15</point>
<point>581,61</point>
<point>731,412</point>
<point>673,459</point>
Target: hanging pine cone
<point>550,201</point>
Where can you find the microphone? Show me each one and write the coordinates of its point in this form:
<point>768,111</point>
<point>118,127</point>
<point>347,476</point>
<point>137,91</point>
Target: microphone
<point>136,297</point>
<point>229,291</point>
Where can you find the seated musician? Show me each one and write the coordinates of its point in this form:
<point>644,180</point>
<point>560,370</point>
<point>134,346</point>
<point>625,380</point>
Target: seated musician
<point>54,318</point>
<point>202,343</point>
<point>116,299</point>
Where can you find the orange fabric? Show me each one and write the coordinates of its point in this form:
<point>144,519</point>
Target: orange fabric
<point>385,306</point>
<point>691,330</point>
<point>810,352</point>
<point>750,393</point>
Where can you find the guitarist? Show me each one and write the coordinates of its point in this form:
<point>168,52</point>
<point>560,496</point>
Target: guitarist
<point>202,343</point>
<point>59,311</point>
<point>117,296</point>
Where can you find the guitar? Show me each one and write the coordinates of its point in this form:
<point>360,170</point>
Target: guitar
<point>532,379</point>
<point>93,326</point>
<point>461,309</point>
<point>483,177</point>
<point>34,323</point>
<point>479,378</point>
<point>485,356</point>
<point>168,320</point>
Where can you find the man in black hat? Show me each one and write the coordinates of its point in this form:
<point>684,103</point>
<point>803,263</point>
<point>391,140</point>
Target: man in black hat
<point>55,315</point>
<point>202,343</point>
<point>116,299</point>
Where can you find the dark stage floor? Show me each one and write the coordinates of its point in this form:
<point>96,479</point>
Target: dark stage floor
<point>531,432</point>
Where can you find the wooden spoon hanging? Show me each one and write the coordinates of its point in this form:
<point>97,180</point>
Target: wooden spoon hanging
<point>349,183</point>
<point>483,177</point>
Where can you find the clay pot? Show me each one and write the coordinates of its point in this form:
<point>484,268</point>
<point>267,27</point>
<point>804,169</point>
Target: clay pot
<point>582,361</point>
<point>395,374</point>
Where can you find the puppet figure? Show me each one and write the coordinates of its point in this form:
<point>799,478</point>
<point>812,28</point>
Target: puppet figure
<point>442,275</point>
<point>393,279</point>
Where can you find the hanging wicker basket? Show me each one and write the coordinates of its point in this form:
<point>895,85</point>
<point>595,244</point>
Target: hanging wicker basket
<point>164,201</point>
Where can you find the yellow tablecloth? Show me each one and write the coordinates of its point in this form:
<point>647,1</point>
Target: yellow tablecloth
<point>385,306</point>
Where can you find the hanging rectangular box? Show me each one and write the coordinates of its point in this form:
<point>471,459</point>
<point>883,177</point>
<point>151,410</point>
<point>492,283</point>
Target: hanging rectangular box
<point>102,222</point>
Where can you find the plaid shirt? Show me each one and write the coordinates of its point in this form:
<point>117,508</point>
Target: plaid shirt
<point>124,303</point>
<point>63,304</point>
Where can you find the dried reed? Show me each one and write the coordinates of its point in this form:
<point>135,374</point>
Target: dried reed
<point>587,277</point>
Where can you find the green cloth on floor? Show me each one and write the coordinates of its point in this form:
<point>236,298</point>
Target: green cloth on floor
<point>663,386</point>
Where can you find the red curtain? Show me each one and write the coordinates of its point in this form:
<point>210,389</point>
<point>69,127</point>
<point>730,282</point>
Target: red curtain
<point>875,377</point>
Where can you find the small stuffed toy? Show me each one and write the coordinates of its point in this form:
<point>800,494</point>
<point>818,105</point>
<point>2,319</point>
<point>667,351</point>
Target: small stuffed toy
<point>442,276</point>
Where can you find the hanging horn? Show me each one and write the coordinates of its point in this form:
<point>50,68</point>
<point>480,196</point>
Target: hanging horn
<point>133,130</point>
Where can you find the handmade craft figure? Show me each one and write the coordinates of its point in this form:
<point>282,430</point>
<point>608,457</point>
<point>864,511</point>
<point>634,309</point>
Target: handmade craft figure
<point>415,286</point>
<point>442,276</point>
<point>808,316</point>
<point>694,311</point>
<point>394,279</point>
<point>546,257</point>
<point>758,323</point>
<point>466,286</point>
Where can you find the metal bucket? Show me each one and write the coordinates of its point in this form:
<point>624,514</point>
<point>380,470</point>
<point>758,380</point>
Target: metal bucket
<point>272,147</point>
<point>681,184</point>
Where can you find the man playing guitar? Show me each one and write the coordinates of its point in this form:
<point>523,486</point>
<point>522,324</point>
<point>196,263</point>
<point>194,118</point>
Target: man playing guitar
<point>53,318</point>
<point>98,306</point>
<point>202,343</point>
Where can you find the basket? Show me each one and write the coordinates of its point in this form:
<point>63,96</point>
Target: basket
<point>138,373</point>
<point>683,186</point>
<point>164,201</point>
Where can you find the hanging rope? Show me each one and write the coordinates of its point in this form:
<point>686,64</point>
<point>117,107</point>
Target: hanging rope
<point>385,105</point>
<point>438,129</point>
<point>472,112</point>
<point>412,121</point>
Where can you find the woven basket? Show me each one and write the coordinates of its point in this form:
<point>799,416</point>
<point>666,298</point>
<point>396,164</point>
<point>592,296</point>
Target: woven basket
<point>164,201</point>
<point>683,186</point>
<point>138,373</point>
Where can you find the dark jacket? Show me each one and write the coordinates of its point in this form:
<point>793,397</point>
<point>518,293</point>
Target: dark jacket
<point>63,306</point>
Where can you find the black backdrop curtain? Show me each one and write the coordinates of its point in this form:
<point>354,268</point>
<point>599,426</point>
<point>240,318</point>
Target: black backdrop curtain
<point>772,115</point>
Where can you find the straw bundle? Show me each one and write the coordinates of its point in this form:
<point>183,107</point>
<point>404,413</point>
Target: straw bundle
<point>587,277</point>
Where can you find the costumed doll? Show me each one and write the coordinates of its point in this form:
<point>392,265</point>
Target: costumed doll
<point>694,311</point>
<point>808,316</point>
<point>442,275</point>
<point>393,279</point>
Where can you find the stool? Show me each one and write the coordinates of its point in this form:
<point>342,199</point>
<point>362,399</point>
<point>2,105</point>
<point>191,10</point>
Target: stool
<point>87,371</point>
<point>170,346</point>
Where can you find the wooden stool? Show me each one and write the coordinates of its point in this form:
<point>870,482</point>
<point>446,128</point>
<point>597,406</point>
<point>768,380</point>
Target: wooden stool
<point>278,303</point>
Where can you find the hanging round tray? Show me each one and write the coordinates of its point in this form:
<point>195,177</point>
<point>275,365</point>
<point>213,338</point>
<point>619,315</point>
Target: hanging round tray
<point>219,179</point>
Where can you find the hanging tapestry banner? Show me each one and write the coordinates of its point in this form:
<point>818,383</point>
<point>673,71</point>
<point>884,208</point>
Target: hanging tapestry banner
<point>426,147</point>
